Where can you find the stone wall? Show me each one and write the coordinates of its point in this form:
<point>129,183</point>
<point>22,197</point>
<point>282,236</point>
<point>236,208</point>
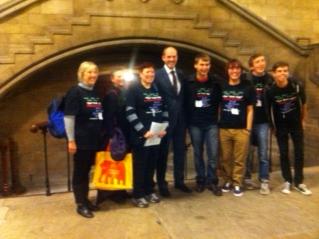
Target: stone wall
<point>298,19</point>
<point>193,25</point>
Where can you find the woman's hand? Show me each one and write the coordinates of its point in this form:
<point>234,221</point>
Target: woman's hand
<point>148,135</point>
<point>72,147</point>
<point>162,134</point>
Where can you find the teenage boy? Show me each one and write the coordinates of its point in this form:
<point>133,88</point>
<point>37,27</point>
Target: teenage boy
<point>260,130</point>
<point>202,96</point>
<point>287,102</point>
<point>236,119</point>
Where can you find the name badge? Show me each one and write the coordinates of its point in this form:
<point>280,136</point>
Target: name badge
<point>259,103</point>
<point>198,103</point>
<point>235,111</point>
<point>100,116</point>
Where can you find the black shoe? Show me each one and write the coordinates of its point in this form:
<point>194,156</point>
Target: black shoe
<point>84,211</point>
<point>183,188</point>
<point>119,196</point>
<point>93,207</point>
<point>164,192</point>
<point>102,195</point>
<point>216,190</point>
<point>200,188</point>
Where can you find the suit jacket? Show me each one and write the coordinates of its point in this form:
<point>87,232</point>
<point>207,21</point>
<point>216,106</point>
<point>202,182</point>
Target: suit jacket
<point>173,101</point>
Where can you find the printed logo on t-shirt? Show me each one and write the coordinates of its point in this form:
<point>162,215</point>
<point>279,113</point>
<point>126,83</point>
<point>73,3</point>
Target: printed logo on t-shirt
<point>232,100</point>
<point>94,105</point>
<point>154,103</point>
<point>203,98</point>
<point>286,103</point>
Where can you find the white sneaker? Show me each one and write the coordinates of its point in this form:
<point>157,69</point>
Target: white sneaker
<point>153,198</point>
<point>286,188</point>
<point>303,189</point>
<point>264,188</point>
<point>238,192</point>
<point>140,202</point>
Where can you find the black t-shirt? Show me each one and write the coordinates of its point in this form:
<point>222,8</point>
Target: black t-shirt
<point>286,104</point>
<point>261,83</point>
<point>233,107</point>
<point>202,100</point>
<point>147,105</point>
<point>86,106</point>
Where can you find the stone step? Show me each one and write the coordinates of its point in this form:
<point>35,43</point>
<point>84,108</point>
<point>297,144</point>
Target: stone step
<point>41,40</point>
<point>20,49</point>
<point>247,51</point>
<point>60,30</point>
<point>203,25</point>
<point>150,14</point>
<point>81,21</point>
<point>218,34</point>
<point>232,43</point>
<point>7,59</point>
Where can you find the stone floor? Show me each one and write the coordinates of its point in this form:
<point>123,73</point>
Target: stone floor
<point>195,216</point>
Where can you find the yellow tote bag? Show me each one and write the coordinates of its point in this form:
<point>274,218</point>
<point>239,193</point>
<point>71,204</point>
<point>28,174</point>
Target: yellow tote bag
<point>110,174</point>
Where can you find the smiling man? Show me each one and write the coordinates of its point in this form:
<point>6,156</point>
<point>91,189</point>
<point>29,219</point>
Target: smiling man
<point>170,83</point>
<point>236,118</point>
<point>287,100</point>
<point>261,80</point>
<point>202,96</point>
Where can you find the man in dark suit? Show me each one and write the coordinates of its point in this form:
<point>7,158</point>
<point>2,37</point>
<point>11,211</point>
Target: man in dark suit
<point>170,83</point>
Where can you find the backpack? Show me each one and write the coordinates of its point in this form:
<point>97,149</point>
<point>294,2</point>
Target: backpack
<point>118,147</point>
<point>56,118</point>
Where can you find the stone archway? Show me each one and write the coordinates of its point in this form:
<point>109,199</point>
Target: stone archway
<point>31,91</point>
<point>96,46</point>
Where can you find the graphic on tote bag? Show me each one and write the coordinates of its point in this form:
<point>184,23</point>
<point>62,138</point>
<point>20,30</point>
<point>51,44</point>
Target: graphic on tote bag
<point>112,172</point>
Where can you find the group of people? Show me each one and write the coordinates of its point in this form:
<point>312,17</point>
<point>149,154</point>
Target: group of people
<point>219,113</point>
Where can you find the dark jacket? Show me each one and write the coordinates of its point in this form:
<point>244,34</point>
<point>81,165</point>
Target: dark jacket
<point>173,101</point>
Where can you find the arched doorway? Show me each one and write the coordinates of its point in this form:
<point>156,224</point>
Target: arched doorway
<point>32,90</point>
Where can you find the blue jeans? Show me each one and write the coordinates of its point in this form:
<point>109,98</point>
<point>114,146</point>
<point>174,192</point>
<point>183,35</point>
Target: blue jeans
<point>260,132</point>
<point>207,136</point>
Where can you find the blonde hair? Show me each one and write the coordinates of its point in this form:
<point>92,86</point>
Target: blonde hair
<point>84,66</point>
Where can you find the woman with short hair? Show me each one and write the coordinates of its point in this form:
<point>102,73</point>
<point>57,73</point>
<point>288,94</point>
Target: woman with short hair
<point>144,105</point>
<point>83,123</point>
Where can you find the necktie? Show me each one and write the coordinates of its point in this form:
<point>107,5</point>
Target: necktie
<point>174,81</point>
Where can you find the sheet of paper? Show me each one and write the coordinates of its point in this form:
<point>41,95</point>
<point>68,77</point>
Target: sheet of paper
<point>155,129</point>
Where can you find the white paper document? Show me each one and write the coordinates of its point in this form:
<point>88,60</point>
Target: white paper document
<point>155,129</point>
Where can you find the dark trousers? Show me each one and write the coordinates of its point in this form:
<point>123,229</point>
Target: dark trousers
<point>83,161</point>
<point>176,136</point>
<point>282,135</point>
<point>144,162</point>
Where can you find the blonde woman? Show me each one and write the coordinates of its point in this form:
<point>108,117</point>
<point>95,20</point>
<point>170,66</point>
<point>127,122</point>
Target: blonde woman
<point>83,122</point>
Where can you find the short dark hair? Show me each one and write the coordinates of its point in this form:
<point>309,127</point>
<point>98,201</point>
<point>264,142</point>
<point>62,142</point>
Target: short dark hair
<point>233,63</point>
<point>253,57</point>
<point>144,65</point>
<point>203,57</point>
<point>279,64</point>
